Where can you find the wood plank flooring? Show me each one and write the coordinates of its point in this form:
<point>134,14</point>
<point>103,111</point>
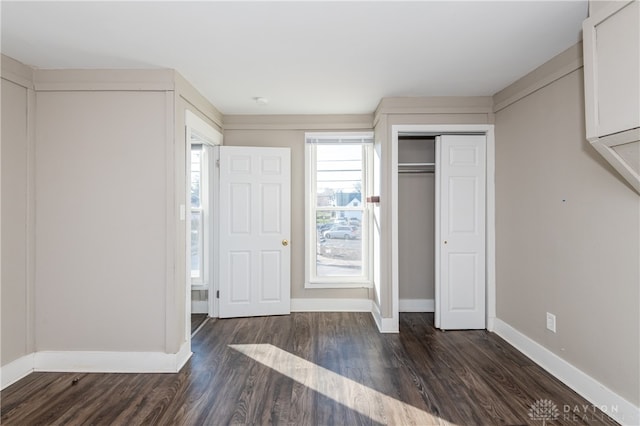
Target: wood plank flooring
<point>311,369</point>
<point>196,321</point>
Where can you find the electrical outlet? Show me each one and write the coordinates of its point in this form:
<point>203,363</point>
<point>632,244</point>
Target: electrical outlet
<point>551,322</point>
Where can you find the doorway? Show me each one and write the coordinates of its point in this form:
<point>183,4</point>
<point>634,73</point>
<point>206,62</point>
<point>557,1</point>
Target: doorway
<point>200,215</point>
<point>488,221</point>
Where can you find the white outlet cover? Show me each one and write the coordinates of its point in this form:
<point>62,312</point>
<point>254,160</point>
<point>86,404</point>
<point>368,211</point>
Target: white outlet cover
<point>551,322</point>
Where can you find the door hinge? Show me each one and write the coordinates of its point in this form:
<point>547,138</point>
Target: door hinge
<point>218,162</point>
<point>217,294</point>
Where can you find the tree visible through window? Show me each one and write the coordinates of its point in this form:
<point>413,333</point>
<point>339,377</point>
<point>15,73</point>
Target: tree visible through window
<point>337,215</point>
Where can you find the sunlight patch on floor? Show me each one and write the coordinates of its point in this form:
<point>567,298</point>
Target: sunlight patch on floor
<point>377,406</point>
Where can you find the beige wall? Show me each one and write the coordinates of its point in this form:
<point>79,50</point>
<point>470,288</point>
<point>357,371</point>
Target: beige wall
<point>599,5</point>
<point>282,132</point>
<point>101,203</point>
<point>568,238</point>
<point>17,224</point>
<point>106,193</point>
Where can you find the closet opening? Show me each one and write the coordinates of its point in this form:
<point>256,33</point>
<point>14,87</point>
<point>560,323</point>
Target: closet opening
<point>416,222</point>
<point>443,224</point>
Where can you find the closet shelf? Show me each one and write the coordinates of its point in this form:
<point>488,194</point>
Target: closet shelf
<point>416,164</point>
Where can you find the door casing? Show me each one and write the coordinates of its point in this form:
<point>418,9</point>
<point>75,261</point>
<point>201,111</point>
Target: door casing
<point>209,136</point>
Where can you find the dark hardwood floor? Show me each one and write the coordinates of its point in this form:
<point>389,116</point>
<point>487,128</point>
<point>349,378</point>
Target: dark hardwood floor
<point>196,321</point>
<point>312,369</point>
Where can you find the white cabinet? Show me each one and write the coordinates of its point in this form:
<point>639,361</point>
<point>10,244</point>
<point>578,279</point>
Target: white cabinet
<point>612,85</point>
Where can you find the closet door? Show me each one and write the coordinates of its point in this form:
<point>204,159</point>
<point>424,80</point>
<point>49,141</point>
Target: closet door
<point>460,232</point>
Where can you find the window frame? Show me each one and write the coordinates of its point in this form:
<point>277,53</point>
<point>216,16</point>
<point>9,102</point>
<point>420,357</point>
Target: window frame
<point>312,140</point>
<point>203,281</point>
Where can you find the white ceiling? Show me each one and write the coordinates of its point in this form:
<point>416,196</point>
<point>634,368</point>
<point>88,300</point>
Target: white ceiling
<point>305,57</point>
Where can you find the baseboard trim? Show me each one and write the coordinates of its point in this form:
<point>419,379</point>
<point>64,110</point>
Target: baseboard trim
<point>111,362</point>
<point>417,305</point>
<point>331,305</point>
<point>94,362</point>
<point>385,325</point>
<point>16,370</point>
<point>595,392</point>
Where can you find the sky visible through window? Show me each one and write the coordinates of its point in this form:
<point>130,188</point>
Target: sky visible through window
<point>339,170</point>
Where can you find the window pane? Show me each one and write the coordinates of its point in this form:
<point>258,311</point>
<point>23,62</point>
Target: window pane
<point>338,175</point>
<point>196,173</point>
<point>196,245</point>
<point>340,246</point>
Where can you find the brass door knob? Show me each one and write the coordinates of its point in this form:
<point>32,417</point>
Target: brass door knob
<point>285,242</point>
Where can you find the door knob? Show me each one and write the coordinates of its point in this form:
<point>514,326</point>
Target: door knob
<point>285,242</point>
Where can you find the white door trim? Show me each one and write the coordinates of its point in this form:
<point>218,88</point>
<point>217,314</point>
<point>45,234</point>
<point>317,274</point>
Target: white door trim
<point>436,129</point>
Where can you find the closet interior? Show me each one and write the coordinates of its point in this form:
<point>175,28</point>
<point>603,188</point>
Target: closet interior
<point>416,221</point>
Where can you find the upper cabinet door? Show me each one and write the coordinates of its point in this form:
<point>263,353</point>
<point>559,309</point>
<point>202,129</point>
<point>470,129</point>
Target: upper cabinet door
<point>612,70</point>
<point>612,86</point>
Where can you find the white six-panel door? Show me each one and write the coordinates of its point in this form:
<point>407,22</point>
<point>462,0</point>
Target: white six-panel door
<point>254,223</point>
<point>460,232</point>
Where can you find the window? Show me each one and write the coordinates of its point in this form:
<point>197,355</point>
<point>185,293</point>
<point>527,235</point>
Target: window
<point>200,213</point>
<point>337,215</point>
<point>197,235</point>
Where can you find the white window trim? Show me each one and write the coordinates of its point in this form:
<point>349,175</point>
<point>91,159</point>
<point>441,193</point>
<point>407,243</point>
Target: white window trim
<point>311,279</point>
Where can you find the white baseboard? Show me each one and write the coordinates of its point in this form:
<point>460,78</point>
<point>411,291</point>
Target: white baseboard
<point>16,370</point>
<point>111,362</point>
<point>417,305</point>
<point>385,325</point>
<point>331,305</point>
<point>595,392</point>
<point>491,323</point>
<point>199,307</point>
<point>183,355</point>
<point>94,362</point>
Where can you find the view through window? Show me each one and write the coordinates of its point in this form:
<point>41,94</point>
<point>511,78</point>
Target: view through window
<point>337,210</point>
<point>197,237</point>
